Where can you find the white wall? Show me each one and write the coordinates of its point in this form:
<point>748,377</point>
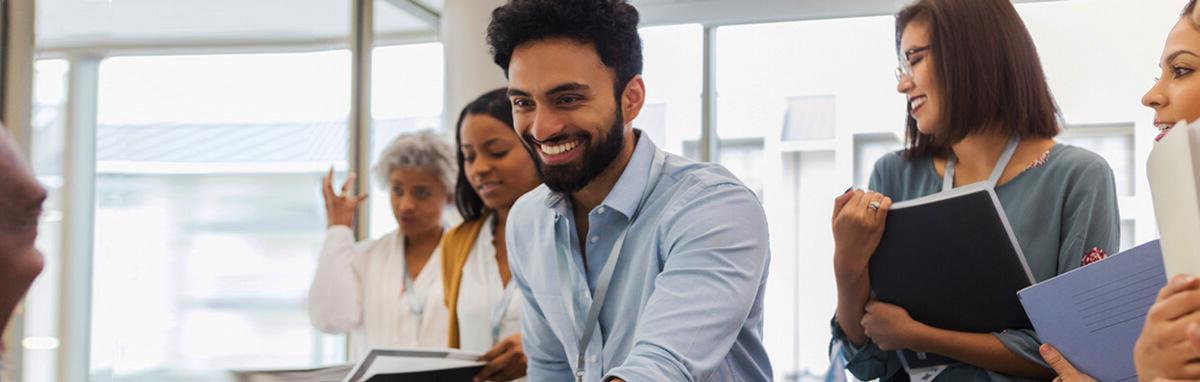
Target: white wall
<point>469,67</point>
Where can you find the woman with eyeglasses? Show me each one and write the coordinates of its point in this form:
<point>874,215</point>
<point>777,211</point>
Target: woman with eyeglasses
<point>979,109</point>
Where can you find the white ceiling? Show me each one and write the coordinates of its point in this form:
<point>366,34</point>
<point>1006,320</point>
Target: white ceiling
<point>161,24</point>
<point>67,24</point>
<point>665,12</point>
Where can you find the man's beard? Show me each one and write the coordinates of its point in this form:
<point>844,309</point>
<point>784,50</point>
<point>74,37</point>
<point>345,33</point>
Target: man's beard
<point>572,177</point>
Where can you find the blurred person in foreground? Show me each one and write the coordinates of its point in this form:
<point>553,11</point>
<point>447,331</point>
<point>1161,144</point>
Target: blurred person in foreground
<point>21,200</point>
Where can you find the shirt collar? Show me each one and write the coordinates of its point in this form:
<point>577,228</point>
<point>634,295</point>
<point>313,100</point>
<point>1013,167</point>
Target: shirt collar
<point>626,194</point>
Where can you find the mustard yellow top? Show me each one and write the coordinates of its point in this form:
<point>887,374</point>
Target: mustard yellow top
<point>456,248</point>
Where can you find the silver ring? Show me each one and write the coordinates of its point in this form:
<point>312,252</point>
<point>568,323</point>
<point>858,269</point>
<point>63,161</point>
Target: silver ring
<point>873,205</point>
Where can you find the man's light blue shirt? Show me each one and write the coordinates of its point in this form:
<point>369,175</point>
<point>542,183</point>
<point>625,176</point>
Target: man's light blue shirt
<point>686,299</point>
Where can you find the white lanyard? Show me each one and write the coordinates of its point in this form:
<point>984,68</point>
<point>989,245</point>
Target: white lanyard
<point>606,273</point>
<point>602,284</point>
<point>416,304</point>
<point>837,363</point>
<point>948,178</point>
<point>501,309</point>
<point>929,373</point>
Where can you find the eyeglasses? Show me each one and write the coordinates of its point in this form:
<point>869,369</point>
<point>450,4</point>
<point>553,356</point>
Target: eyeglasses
<point>905,69</point>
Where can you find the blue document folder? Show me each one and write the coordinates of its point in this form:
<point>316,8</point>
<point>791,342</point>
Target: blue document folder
<point>1094,314</point>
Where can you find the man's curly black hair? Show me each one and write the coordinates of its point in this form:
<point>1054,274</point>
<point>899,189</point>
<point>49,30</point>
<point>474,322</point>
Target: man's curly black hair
<point>609,25</point>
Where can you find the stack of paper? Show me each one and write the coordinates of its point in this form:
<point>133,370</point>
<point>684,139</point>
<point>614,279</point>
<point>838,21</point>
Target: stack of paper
<point>416,365</point>
<point>1174,172</point>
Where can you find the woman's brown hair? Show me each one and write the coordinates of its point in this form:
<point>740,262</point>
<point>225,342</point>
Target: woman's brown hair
<point>987,69</point>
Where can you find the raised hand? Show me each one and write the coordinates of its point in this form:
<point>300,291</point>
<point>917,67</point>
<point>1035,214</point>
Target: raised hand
<point>339,209</point>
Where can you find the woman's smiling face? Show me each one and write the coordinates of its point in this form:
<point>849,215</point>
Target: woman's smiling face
<point>1175,95</point>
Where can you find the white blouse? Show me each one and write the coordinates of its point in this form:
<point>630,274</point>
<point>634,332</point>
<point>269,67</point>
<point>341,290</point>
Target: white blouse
<point>481,294</point>
<point>360,288</point>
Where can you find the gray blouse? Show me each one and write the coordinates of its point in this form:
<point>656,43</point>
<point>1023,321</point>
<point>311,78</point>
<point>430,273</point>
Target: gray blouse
<point>1063,210</point>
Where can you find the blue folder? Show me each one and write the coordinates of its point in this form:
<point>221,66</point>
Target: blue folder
<point>1094,314</point>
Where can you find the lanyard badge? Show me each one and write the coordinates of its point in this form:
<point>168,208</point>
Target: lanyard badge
<point>606,273</point>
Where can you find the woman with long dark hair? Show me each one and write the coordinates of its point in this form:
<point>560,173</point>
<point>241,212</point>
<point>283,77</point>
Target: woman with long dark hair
<point>494,171</point>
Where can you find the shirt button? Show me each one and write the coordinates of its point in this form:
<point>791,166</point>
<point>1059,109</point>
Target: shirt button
<point>595,359</point>
<point>600,210</point>
<point>595,239</point>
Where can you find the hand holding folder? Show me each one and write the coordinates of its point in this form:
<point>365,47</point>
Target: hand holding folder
<point>951,260</point>
<point>1094,314</point>
<point>1168,347</point>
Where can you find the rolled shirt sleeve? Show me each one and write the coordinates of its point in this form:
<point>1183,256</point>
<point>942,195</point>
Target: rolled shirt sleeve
<point>866,362</point>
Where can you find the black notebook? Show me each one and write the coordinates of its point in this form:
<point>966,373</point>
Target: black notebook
<point>464,374</point>
<point>952,261</point>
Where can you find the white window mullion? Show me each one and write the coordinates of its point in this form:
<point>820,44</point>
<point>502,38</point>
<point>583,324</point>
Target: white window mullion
<point>79,182</point>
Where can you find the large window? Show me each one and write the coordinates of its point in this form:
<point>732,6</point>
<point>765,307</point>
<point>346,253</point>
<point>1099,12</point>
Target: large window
<point>213,126</point>
<point>208,212</point>
<point>407,93</point>
<point>673,71</point>
<point>41,335</point>
<point>789,112</point>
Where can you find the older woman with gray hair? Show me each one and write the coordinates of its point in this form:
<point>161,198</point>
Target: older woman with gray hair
<point>388,291</point>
